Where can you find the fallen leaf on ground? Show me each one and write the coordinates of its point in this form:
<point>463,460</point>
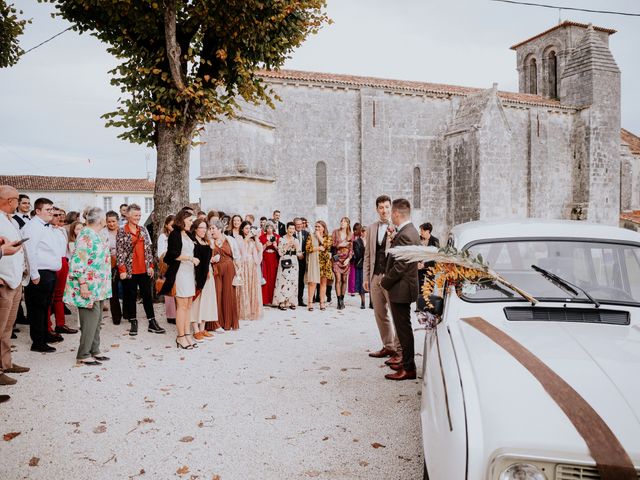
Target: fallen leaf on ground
<point>182,470</point>
<point>312,473</point>
<point>187,439</point>
<point>100,429</point>
<point>325,438</point>
<point>10,436</point>
<point>323,382</point>
<point>377,445</point>
<point>345,413</point>
<point>216,477</point>
<point>34,461</point>
<point>115,345</point>
<point>204,406</point>
<point>272,417</point>
<point>363,463</point>
<point>200,424</point>
<point>228,343</point>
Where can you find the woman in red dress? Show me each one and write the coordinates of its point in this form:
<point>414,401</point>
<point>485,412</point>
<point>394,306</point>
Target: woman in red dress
<point>270,258</point>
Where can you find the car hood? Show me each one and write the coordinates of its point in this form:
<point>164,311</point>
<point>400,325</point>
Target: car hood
<point>601,362</point>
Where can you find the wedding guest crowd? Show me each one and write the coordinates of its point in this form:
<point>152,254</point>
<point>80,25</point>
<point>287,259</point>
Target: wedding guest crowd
<point>213,270</point>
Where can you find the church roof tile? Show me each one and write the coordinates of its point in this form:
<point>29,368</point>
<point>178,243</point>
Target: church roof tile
<point>402,85</point>
<point>76,184</point>
<point>632,140</point>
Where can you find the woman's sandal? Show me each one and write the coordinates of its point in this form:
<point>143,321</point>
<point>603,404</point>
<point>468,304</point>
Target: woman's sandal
<point>323,306</point>
<point>179,345</point>
<point>310,309</point>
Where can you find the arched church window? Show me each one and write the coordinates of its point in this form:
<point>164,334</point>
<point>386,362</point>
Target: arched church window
<point>552,65</point>
<point>321,183</point>
<point>417,188</point>
<point>533,76</point>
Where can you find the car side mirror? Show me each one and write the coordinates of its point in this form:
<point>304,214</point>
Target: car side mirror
<point>437,305</point>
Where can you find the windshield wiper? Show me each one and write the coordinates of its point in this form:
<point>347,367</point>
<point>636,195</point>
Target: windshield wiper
<point>564,284</point>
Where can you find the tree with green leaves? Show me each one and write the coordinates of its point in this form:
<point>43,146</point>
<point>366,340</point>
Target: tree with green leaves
<point>188,62</point>
<point>11,27</point>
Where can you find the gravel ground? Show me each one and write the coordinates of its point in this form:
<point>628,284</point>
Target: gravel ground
<point>291,396</point>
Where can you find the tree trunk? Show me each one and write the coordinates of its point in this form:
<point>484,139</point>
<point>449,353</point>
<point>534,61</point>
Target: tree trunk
<point>172,174</point>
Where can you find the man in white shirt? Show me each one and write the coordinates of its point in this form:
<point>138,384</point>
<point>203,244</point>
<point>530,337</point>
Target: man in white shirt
<point>12,276</point>
<point>23,212</point>
<point>44,261</point>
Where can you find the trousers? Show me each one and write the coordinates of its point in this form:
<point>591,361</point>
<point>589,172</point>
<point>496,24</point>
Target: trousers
<point>38,299</point>
<point>130,288</point>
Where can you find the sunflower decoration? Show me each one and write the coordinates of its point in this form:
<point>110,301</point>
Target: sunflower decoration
<point>454,268</point>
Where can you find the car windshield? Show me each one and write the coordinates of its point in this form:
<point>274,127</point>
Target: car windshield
<point>609,272</point>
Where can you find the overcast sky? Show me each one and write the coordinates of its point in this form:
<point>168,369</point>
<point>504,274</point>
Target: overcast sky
<point>51,101</point>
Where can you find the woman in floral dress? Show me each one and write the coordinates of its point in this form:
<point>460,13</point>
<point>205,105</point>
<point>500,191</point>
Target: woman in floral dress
<point>89,284</point>
<point>285,294</point>
<point>318,250</point>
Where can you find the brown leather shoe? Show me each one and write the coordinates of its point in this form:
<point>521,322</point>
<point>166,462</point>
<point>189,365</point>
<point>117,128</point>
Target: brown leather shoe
<point>16,369</point>
<point>4,398</point>
<point>396,367</point>
<point>395,360</point>
<point>401,375</point>
<point>7,380</point>
<point>385,352</point>
<point>65,329</point>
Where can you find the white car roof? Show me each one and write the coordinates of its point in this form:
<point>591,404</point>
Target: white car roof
<point>532,228</point>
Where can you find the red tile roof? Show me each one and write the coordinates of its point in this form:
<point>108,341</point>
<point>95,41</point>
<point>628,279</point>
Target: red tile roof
<point>632,216</point>
<point>566,23</point>
<point>632,140</point>
<point>76,184</point>
<point>402,85</point>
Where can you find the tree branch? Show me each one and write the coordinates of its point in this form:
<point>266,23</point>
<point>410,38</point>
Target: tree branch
<point>173,50</point>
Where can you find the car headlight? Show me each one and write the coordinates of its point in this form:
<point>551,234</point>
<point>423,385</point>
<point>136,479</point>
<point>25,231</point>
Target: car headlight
<point>522,471</point>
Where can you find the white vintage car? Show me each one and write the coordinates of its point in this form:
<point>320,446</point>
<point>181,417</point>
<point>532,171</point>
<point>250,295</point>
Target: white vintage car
<point>549,391</point>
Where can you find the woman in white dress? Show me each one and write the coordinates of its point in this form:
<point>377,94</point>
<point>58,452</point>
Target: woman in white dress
<point>285,294</point>
<point>181,274</point>
<point>205,306</point>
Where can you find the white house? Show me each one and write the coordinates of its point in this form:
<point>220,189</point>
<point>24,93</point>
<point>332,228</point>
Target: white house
<point>75,193</point>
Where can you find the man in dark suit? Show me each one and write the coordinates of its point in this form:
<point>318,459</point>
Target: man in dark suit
<point>301,235</point>
<point>281,229</point>
<point>401,282</point>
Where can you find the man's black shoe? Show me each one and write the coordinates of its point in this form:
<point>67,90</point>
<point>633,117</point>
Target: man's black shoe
<point>13,335</point>
<point>302,304</point>
<point>54,338</point>
<point>4,398</point>
<point>65,329</point>
<point>42,348</point>
<point>133,330</point>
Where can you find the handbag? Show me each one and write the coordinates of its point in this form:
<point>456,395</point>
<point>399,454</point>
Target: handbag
<point>237,281</point>
<point>286,263</point>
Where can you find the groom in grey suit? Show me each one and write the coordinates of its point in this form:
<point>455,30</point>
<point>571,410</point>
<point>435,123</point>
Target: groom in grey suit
<point>375,260</point>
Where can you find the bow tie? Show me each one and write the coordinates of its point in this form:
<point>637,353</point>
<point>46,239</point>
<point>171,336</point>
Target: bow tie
<point>47,224</point>
<point>26,216</point>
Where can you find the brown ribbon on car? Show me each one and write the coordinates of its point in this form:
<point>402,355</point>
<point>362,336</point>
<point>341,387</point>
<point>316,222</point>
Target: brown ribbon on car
<point>612,461</point>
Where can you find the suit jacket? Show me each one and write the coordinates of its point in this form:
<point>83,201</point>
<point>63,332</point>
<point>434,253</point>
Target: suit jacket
<point>401,278</point>
<point>281,229</point>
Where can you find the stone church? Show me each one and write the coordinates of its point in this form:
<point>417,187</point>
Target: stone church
<point>555,149</point>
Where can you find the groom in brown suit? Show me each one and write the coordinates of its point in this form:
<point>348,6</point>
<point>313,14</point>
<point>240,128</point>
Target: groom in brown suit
<point>400,280</point>
<point>375,260</point>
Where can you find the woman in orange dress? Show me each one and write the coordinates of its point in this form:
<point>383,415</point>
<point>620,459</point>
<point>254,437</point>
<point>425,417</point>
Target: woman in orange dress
<point>224,253</point>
